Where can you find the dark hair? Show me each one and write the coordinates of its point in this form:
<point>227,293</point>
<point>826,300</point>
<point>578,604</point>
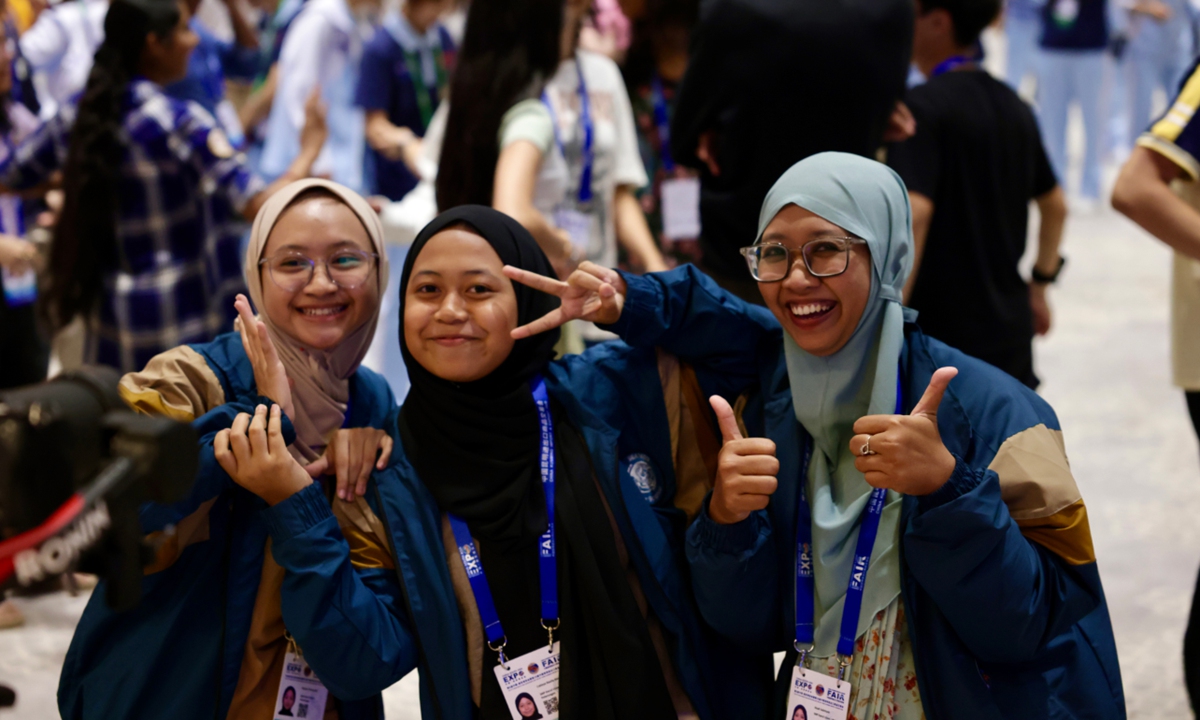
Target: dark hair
<point>85,238</point>
<point>289,689</point>
<point>970,17</point>
<point>510,48</point>
<point>640,62</point>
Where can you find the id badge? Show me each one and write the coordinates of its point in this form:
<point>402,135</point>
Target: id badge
<point>301,694</point>
<point>530,684</point>
<point>680,208</point>
<point>817,697</point>
<point>578,225</point>
<point>19,288</point>
<point>1066,12</point>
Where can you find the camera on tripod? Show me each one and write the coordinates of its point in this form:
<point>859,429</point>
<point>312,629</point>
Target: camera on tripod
<point>75,465</point>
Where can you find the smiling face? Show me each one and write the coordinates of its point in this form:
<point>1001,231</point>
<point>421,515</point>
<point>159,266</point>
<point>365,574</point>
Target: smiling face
<point>322,313</point>
<point>820,314</point>
<point>526,708</point>
<point>459,309</point>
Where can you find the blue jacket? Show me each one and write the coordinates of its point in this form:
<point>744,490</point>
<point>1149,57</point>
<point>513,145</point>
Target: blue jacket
<point>1003,597</point>
<point>178,653</point>
<point>614,397</point>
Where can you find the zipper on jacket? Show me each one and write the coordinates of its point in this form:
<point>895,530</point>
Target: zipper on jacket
<point>421,657</point>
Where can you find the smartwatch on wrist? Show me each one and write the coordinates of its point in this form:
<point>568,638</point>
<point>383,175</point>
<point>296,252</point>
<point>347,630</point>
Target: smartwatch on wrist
<point>1042,278</point>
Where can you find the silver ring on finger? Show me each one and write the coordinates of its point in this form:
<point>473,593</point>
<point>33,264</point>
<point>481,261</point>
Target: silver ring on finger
<point>866,448</point>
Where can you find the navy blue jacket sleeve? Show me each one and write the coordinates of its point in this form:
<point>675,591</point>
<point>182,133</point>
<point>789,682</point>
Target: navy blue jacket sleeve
<point>687,314</point>
<point>1006,596</point>
<point>347,620</point>
<point>735,578</point>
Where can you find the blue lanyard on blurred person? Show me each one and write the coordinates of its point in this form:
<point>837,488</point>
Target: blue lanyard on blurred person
<point>951,63</point>
<point>589,130</point>
<point>663,124</point>
<point>547,567</point>
<point>806,585</point>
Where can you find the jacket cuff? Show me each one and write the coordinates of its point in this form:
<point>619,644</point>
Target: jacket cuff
<point>642,297</point>
<point>962,481</point>
<point>299,513</point>
<point>735,539</point>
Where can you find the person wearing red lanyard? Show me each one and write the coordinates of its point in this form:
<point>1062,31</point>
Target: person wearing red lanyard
<point>979,596</point>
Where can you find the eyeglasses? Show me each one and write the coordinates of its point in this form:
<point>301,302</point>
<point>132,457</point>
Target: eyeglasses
<point>823,257</point>
<point>292,271</point>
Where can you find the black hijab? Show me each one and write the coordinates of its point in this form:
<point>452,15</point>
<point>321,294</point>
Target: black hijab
<point>475,447</point>
<point>474,444</point>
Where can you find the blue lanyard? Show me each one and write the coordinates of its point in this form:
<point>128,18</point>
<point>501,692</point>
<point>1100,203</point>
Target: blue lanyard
<point>663,123</point>
<point>951,63</point>
<point>547,567</point>
<point>805,584</point>
<point>589,132</point>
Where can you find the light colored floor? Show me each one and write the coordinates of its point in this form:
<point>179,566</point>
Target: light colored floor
<point>1105,368</point>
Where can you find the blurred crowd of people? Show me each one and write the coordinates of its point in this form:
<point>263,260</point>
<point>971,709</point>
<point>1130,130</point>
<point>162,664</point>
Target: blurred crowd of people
<point>150,147</point>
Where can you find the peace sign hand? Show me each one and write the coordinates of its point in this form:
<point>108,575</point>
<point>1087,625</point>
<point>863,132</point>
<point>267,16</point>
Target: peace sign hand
<point>905,453</point>
<point>592,293</point>
<point>269,375</point>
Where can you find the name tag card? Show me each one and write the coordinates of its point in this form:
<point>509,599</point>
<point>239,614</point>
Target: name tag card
<point>530,684</point>
<point>578,226</point>
<point>680,208</point>
<point>301,694</point>
<point>817,697</point>
<point>19,289</point>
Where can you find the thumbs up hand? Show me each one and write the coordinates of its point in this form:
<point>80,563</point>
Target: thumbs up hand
<point>746,470</point>
<point>905,453</point>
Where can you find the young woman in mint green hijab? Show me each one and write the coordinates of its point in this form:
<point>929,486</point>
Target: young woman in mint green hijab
<point>981,597</point>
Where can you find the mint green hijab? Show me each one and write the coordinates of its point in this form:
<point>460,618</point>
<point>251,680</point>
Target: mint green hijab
<point>868,200</point>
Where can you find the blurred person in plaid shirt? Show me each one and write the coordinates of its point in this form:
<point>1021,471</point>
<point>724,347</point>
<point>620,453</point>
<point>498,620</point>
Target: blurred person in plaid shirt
<point>146,248</point>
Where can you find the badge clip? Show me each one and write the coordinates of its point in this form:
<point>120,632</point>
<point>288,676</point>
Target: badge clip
<point>550,631</point>
<point>804,651</point>
<point>500,651</point>
<point>843,663</point>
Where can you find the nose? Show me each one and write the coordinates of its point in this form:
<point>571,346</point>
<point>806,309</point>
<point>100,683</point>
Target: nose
<point>798,277</point>
<point>321,283</point>
<point>452,310</point>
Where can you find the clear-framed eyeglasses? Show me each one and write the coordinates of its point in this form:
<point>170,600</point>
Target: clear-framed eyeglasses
<point>823,257</point>
<point>293,271</point>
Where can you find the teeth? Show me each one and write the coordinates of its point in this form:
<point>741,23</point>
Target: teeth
<point>323,311</point>
<point>809,309</point>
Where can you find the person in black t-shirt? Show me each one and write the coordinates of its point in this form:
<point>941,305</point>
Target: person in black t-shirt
<point>972,168</point>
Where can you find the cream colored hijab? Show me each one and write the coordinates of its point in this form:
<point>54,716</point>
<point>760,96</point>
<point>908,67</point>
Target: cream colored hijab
<point>321,378</point>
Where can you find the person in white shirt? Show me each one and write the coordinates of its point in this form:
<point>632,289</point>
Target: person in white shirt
<point>59,47</point>
<point>323,48</point>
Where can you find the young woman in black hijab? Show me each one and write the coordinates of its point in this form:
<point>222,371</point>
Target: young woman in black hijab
<point>463,500</point>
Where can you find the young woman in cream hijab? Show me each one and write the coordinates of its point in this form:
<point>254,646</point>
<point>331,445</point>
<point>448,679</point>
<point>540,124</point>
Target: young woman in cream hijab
<point>979,596</point>
<point>210,635</point>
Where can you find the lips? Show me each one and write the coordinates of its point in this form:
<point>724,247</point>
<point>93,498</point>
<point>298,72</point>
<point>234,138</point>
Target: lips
<point>453,340</point>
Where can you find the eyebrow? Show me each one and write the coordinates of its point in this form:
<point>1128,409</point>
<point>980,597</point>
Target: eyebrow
<point>301,248</point>
<point>780,237</point>
<point>489,273</point>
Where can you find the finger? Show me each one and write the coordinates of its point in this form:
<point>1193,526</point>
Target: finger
<point>586,281</point>
<point>237,438</point>
<point>928,404</point>
<point>872,463</point>
<point>753,485</point>
<point>549,321</point>
<point>354,461</point>
<point>317,468</point>
<point>341,461</point>
<point>765,465</point>
<point>748,447</point>
<point>385,455</point>
<point>547,285</point>
<point>874,424</point>
<point>246,326</point>
<point>258,432</point>
<point>366,455</point>
<point>275,443</point>
<point>266,347</point>
<point>878,479</point>
<point>858,442</point>
<point>606,274</point>
<point>223,454</point>
<point>725,418</point>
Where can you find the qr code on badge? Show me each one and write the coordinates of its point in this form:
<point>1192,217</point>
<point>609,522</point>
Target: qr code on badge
<point>302,710</point>
<point>552,704</point>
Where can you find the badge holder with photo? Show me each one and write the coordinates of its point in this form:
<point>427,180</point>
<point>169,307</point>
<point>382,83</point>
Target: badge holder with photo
<point>824,697</point>
<point>301,693</point>
<point>532,678</point>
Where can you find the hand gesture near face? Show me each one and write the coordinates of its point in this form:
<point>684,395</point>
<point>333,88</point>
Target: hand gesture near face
<point>269,376</point>
<point>746,470</point>
<point>351,454</point>
<point>592,293</point>
<point>905,453</point>
<point>255,456</point>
